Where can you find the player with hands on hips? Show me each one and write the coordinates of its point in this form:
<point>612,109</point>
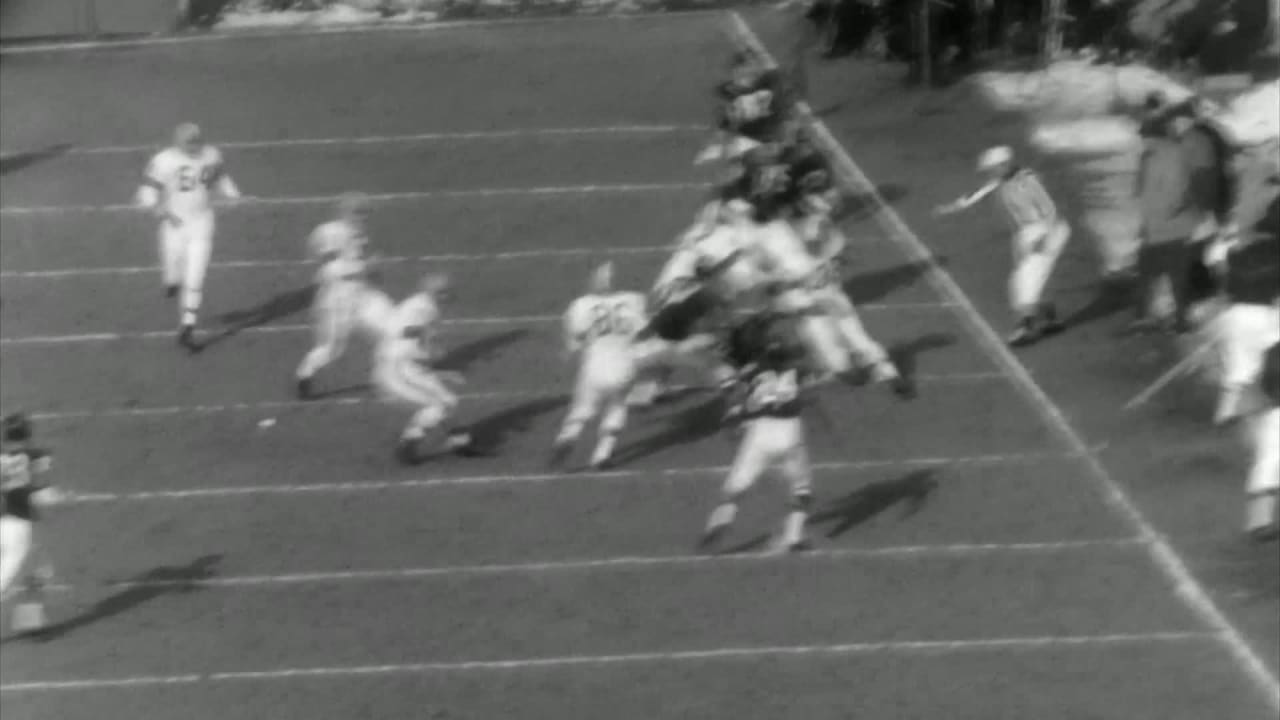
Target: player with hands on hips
<point>178,187</point>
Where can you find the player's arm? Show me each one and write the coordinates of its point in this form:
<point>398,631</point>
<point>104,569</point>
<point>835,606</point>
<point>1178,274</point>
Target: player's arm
<point>575,329</point>
<point>221,180</point>
<point>152,193</point>
<point>967,201</point>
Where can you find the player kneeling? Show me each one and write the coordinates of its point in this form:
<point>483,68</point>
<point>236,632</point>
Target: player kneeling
<point>772,435</point>
<point>600,328</point>
<point>403,375</point>
<point>22,496</point>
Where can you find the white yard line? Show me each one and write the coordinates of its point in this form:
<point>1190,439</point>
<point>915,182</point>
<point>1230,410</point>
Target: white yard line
<point>409,196</point>
<point>220,36</point>
<point>1185,586</point>
<point>428,137</point>
<point>169,334</point>
<point>892,552</point>
<point>958,378</point>
<point>721,654</point>
<point>365,486</point>
<point>504,256</point>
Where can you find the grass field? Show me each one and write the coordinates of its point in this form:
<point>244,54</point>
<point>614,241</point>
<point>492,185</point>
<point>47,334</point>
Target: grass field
<point>972,561</point>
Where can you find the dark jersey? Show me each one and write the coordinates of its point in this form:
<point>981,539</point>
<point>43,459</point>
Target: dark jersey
<point>771,390</point>
<point>754,110</point>
<point>766,187</point>
<point>18,480</point>
<point>808,171</point>
<point>678,319</point>
<point>1270,380</point>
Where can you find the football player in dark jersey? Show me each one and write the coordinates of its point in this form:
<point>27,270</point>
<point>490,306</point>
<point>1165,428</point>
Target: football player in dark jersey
<point>773,372</point>
<point>23,493</point>
<point>750,108</point>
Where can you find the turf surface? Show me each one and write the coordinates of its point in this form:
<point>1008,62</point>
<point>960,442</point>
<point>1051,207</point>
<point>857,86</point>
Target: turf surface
<point>968,567</point>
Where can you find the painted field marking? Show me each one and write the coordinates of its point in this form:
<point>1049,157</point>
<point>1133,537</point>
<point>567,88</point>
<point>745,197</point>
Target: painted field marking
<point>229,35</point>
<point>364,486</point>
<point>408,139</point>
<point>377,260</point>
<point>892,552</point>
<point>1185,585</point>
<point>408,196</point>
<point>466,322</point>
<point>958,378</point>
<point>900,647</point>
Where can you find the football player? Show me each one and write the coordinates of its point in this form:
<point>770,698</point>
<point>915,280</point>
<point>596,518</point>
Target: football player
<point>774,370</point>
<point>1248,344</point>
<point>750,108</point>
<point>23,493</point>
<point>344,298</point>
<point>599,332</point>
<point>1039,236</point>
<point>179,186</point>
<point>403,373</point>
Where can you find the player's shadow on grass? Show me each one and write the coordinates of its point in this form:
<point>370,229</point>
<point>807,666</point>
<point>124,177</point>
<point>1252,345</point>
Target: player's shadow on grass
<point>689,426</point>
<point>874,285</point>
<point>489,433</point>
<point>909,491</point>
<point>20,161</point>
<point>906,355</point>
<point>276,307</point>
<point>461,356</point>
<point>858,206</point>
<point>137,591</point>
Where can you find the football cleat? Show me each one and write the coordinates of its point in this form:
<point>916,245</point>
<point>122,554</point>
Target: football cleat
<point>407,451</point>
<point>459,443</point>
<point>1025,334</point>
<point>709,543</point>
<point>304,389</point>
<point>560,453</point>
<point>171,291</point>
<point>29,617</point>
<point>1050,324</point>
<point>187,339</point>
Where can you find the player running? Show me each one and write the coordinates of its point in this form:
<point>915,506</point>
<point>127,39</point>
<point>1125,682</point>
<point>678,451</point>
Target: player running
<point>600,329</point>
<point>22,495</point>
<point>1248,344</point>
<point>178,187</point>
<point>1039,236</point>
<point>774,371</point>
<point>344,299</point>
<point>403,374</point>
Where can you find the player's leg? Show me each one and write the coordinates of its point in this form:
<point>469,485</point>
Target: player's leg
<point>866,351</point>
<point>613,419</point>
<point>333,315</point>
<point>402,382</point>
<point>197,246</point>
<point>171,239</point>
<point>1264,475</point>
<point>750,462</point>
<point>795,470</point>
<point>1026,282</point>
<point>15,547</point>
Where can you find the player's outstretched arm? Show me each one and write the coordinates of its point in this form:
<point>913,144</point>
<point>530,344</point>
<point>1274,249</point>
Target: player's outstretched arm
<point>967,201</point>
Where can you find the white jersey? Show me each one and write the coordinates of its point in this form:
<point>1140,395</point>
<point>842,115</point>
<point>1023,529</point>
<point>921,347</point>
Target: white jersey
<point>185,183</point>
<point>411,330</point>
<point>340,247</point>
<point>614,318</point>
<point>783,252</point>
<point>1244,333</point>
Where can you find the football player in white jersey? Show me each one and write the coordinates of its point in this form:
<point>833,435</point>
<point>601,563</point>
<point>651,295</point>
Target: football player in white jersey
<point>1248,345</point>
<point>403,374</point>
<point>179,186</point>
<point>599,331</point>
<point>344,299</point>
<point>774,370</point>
